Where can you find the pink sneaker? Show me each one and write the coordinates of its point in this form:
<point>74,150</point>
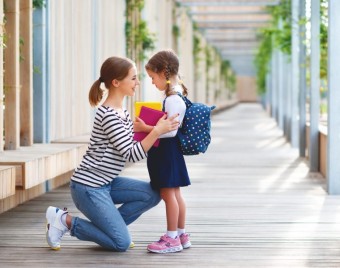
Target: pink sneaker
<point>166,244</point>
<point>185,241</point>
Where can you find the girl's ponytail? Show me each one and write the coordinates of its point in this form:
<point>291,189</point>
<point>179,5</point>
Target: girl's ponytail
<point>96,93</point>
<point>185,90</point>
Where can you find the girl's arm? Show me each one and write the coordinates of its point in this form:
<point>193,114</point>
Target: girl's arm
<point>174,105</point>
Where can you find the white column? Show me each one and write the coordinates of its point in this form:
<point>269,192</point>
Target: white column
<point>333,146</point>
<point>295,74</point>
<point>315,87</point>
<point>302,99</point>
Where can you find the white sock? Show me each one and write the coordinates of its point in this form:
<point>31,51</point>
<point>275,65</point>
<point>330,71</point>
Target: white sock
<point>171,234</point>
<point>180,231</point>
<point>63,220</point>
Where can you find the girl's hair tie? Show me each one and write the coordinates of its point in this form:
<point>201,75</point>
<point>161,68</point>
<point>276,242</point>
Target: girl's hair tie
<point>101,79</point>
<point>168,81</point>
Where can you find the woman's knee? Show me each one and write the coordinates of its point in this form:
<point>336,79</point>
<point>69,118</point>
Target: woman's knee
<point>123,245</point>
<point>120,245</point>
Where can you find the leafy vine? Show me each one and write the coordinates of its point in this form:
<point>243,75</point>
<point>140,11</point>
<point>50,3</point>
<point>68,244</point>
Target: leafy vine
<point>138,36</point>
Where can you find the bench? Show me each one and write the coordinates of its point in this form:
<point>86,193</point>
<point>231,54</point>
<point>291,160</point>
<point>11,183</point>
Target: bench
<point>42,162</point>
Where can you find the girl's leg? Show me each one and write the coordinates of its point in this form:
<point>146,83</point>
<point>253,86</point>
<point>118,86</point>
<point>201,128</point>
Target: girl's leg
<point>184,237</point>
<point>169,242</point>
<point>182,208</point>
<point>135,196</point>
<point>172,209</point>
<point>106,226</point>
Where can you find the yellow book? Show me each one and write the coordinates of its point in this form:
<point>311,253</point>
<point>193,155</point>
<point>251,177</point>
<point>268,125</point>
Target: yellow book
<point>150,104</point>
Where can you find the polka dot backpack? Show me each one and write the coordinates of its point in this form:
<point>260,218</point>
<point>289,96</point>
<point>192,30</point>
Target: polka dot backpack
<point>194,133</point>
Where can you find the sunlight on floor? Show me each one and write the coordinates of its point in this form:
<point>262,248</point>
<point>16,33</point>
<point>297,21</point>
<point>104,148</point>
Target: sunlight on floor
<point>292,177</point>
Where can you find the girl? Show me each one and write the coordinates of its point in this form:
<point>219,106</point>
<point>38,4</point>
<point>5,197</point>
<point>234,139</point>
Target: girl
<point>96,186</point>
<point>166,163</point>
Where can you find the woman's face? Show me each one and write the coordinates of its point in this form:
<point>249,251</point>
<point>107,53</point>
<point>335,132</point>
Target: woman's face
<point>158,79</point>
<point>130,82</point>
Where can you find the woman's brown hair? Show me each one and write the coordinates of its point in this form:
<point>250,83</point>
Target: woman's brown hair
<point>112,68</point>
<point>166,61</point>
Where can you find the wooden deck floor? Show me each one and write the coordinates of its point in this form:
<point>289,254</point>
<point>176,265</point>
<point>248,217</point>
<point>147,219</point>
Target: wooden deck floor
<point>252,203</point>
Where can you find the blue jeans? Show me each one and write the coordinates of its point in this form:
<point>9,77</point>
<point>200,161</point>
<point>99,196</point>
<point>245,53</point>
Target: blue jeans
<point>107,224</point>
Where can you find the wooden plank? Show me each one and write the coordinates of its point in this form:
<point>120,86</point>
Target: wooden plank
<point>1,80</point>
<point>75,139</point>
<point>26,74</point>
<point>11,76</point>
<point>7,181</point>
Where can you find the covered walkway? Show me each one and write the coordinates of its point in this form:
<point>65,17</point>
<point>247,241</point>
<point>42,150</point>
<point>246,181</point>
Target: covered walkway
<point>252,203</point>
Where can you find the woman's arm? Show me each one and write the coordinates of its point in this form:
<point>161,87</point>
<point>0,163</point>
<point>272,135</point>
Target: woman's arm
<point>140,126</point>
<point>163,126</point>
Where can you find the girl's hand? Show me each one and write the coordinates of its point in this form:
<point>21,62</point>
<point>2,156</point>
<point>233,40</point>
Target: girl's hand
<point>139,125</point>
<point>165,125</point>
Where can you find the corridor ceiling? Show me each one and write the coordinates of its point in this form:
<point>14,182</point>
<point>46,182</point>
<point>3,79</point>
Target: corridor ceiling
<point>231,27</point>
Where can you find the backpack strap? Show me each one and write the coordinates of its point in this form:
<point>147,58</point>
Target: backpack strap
<point>187,102</point>
<point>163,107</point>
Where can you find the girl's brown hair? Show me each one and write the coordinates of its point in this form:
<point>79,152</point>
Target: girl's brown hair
<point>166,61</point>
<point>112,68</point>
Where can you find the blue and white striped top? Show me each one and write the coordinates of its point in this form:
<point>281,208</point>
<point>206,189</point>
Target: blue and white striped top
<point>111,145</point>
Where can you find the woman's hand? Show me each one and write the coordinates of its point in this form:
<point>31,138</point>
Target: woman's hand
<point>165,125</point>
<point>139,125</point>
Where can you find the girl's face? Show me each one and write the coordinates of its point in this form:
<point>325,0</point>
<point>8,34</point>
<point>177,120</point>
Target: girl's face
<point>158,79</point>
<point>130,82</point>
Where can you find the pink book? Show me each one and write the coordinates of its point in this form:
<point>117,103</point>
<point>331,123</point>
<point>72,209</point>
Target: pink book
<point>150,117</point>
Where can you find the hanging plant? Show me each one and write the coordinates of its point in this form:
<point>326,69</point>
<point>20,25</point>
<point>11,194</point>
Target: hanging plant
<point>324,39</point>
<point>225,66</point>
<point>272,37</point>
<point>39,3</point>
<point>176,31</point>
<point>138,36</point>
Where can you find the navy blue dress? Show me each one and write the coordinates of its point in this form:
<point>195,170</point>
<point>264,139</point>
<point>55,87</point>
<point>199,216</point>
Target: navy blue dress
<point>166,165</point>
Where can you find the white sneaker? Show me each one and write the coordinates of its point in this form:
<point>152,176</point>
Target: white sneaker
<point>55,229</point>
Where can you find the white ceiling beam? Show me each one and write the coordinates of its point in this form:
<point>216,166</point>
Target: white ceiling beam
<point>232,3</point>
<point>229,21</point>
<point>223,12</point>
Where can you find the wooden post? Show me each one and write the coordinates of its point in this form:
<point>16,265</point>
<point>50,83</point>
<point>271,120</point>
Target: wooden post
<point>11,85</point>
<point>1,77</point>
<point>26,83</point>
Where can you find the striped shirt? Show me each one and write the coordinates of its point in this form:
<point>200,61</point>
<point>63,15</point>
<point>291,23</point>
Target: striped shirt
<point>111,145</point>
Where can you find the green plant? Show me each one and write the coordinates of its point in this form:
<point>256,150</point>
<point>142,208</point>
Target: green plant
<point>276,35</point>
<point>224,70</point>
<point>196,48</point>
<point>39,3</point>
<point>138,36</point>
<point>323,39</point>
<point>176,31</point>
<point>21,44</point>
<point>262,59</point>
